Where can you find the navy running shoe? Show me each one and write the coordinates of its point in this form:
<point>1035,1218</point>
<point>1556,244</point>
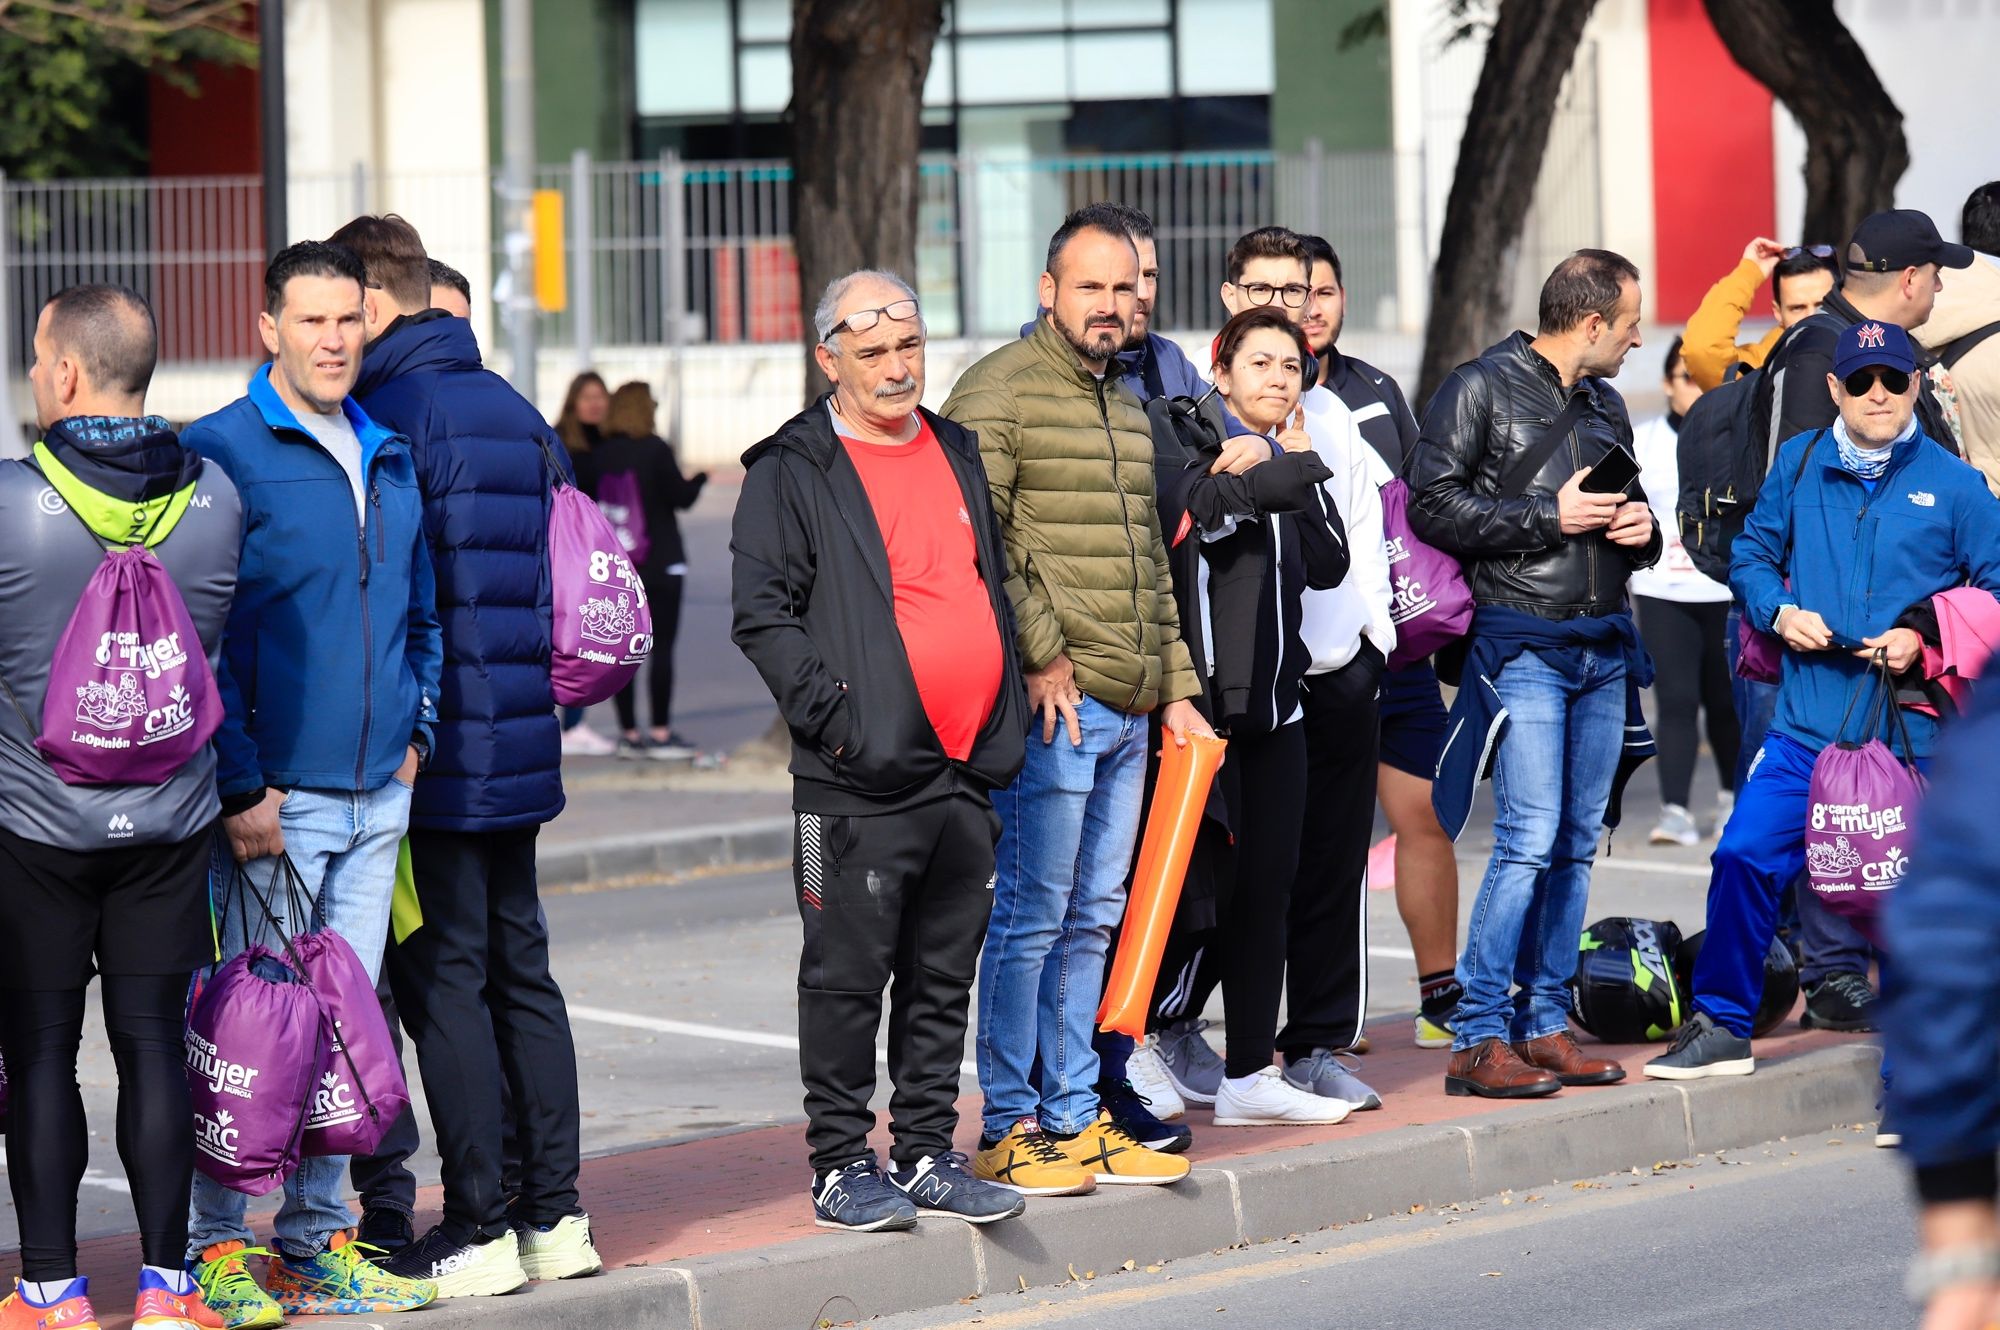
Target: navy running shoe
<point>1133,1113</point>
<point>860,1199</point>
<point>944,1184</point>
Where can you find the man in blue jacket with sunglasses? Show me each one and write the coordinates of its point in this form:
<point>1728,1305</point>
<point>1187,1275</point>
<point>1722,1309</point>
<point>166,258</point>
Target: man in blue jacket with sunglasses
<point>1856,528</point>
<point>329,684</point>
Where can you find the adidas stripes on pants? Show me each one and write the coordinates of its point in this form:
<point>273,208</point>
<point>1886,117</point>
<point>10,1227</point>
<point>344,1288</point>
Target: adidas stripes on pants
<point>896,901</point>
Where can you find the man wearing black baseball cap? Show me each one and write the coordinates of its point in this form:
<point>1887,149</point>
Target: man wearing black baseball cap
<point>1893,265</point>
<point>1892,277</point>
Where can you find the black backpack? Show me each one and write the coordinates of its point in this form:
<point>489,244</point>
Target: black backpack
<point>1722,462</point>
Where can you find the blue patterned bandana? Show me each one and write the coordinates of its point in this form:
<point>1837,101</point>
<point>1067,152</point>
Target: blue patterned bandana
<point>1867,463</point>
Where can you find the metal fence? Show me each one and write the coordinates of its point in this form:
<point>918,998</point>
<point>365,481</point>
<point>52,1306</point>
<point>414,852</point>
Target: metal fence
<point>684,273</point>
<point>712,240</point>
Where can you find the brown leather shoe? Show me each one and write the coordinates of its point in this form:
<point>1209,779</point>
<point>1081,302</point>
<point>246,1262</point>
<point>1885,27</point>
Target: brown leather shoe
<point>1492,1071</point>
<point>1558,1053</point>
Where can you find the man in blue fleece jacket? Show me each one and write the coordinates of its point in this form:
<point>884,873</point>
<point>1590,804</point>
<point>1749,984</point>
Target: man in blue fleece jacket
<point>1855,526</point>
<point>329,678</point>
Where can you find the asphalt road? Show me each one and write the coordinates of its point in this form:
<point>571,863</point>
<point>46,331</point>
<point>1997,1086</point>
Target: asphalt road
<point>1800,1235</point>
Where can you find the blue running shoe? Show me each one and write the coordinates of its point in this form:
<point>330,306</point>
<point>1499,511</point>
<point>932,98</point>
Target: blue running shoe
<point>1133,1113</point>
<point>860,1199</point>
<point>944,1184</point>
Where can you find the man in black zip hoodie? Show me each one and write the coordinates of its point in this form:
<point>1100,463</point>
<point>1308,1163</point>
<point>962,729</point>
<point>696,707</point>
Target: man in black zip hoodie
<point>869,591</point>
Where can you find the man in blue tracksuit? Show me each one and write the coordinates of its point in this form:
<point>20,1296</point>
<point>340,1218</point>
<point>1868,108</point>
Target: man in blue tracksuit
<point>1856,526</point>
<point>329,683</point>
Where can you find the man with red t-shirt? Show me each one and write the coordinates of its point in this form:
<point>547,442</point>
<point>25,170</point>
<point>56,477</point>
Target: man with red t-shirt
<point>869,591</point>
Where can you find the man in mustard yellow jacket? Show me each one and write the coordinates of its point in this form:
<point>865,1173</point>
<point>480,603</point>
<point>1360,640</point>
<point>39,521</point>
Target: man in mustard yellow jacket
<point>1800,277</point>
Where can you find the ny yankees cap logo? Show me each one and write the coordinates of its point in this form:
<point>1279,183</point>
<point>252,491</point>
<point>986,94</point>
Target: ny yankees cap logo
<point>1870,336</point>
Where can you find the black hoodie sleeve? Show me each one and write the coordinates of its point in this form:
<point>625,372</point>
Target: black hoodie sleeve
<point>772,569</point>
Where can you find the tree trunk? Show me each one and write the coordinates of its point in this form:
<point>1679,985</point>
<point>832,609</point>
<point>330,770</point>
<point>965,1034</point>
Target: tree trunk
<point>1855,149</point>
<point>1499,160</point>
<point>858,70</point>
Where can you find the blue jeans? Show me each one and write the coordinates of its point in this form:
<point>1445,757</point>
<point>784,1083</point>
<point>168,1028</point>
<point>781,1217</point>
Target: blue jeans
<point>344,846</point>
<point>1552,776</point>
<point>1826,942</point>
<point>1761,853</point>
<point>1067,825</point>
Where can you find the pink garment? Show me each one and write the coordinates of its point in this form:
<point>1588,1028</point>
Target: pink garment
<point>1969,633</point>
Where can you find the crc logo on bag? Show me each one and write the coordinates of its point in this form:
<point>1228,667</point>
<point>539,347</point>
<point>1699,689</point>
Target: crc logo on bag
<point>1410,600</point>
<point>217,1137</point>
<point>205,1060</point>
<point>334,1103</point>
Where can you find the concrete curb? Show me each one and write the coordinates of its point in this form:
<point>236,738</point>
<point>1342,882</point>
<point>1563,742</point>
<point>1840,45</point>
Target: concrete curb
<point>758,841</point>
<point>1246,1200</point>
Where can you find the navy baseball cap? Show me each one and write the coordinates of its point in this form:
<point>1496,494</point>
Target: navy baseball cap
<point>1902,238</point>
<point>1872,345</point>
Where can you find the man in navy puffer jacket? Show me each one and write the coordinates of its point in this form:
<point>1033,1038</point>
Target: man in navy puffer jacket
<point>483,458</point>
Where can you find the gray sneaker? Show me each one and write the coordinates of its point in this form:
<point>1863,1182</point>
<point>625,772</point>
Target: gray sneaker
<point>1676,827</point>
<point>1331,1076</point>
<point>1703,1049</point>
<point>1193,1066</point>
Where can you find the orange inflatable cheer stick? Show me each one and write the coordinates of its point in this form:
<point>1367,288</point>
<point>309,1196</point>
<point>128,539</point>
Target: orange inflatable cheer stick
<point>1178,799</point>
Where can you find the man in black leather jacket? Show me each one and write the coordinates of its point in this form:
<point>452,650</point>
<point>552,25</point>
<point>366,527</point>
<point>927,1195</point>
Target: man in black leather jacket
<point>1497,478</point>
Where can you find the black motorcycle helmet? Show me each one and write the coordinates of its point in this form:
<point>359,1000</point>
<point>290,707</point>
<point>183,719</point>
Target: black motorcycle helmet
<point>1625,987</point>
<point>1781,982</point>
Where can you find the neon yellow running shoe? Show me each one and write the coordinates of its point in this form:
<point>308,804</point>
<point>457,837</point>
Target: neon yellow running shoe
<point>232,1292</point>
<point>342,1281</point>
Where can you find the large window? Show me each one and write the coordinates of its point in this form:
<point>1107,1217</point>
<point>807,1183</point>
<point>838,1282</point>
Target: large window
<point>704,63</point>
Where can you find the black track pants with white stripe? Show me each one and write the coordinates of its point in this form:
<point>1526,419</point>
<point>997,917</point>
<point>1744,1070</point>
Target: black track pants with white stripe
<point>896,901</point>
<point>1326,978</point>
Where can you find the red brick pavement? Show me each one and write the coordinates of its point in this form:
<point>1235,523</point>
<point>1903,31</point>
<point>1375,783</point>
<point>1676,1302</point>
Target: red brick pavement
<point>747,1189</point>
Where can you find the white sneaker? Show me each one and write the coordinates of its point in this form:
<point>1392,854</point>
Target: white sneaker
<point>1267,1099</point>
<point>564,1251</point>
<point>1725,804</point>
<point>582,741</point>
<point>1676,827</point>
<point>1148,1074</point>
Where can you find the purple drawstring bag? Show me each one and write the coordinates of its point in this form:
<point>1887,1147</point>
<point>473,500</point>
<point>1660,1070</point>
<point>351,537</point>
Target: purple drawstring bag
<point>255,1050</point>
<point>603,627</point>
<point>362,1091</point>
<point>623,504</point>
<point>130,697</point>
<point>1430,601</point>
<point>1862,804</point>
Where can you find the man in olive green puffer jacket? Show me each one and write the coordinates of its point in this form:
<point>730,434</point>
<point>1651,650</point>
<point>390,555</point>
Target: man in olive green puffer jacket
<point>1069,458</point>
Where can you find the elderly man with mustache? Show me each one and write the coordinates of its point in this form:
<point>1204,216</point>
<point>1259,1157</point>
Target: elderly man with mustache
<point>1070,456</point>
<point>870,594</point>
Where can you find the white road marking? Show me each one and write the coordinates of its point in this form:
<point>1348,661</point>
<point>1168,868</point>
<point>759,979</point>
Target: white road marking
<point>694,1030</point>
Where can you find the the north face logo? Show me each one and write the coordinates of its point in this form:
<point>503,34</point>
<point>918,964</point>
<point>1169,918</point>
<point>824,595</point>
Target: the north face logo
<point>1870,336</point>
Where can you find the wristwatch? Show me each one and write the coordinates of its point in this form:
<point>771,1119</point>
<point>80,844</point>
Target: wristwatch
<point>1934,1272</point>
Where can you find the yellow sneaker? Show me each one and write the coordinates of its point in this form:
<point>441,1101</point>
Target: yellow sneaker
<point>1114,1157</point>
<point>1030,1161</point>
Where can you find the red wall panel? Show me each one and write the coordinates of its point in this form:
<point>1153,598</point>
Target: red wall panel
<point>1712,158</point>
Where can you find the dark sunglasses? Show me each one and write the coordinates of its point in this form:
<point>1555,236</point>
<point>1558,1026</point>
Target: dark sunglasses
<point>1862,381</point>
<point>1817,251</point>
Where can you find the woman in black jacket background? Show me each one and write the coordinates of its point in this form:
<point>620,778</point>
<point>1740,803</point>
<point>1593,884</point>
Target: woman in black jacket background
<point>632,473</point>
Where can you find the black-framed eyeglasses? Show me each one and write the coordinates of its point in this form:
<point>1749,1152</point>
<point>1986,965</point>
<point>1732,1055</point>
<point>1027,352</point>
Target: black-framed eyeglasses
<point>1817,251</point>
<point>861,320</point>
<point>1292,293</point>
<point>1862,381</point>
